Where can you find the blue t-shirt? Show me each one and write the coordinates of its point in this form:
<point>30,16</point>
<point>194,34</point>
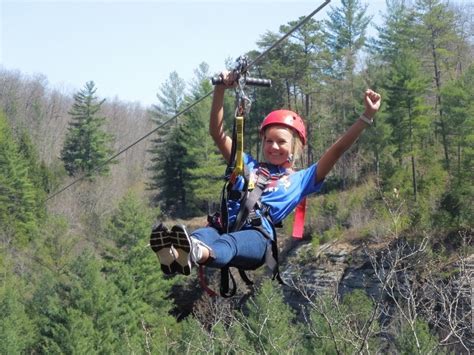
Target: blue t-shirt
<point>282,195</point>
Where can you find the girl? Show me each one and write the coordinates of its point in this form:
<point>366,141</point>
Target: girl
<point>283,137</point>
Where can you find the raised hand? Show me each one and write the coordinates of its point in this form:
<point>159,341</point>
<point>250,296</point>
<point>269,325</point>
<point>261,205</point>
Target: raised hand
<point>372,102</point>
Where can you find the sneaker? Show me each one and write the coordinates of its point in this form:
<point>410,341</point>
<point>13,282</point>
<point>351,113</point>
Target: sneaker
<point>182,243</point>
<point>160,243</point>
<point>189,248</point>
<point>197,250</point>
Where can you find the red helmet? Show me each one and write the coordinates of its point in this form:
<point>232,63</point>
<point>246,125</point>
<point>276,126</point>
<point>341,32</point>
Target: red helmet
<point>286,118</point>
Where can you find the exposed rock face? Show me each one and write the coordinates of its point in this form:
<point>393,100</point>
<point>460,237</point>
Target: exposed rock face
<point>337,267</point>
<point>328,270</point>
<point>341,267</point>
<point>320,272</point>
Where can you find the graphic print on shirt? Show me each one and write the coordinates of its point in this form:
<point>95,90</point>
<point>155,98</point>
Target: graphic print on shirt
<point>274,185</point>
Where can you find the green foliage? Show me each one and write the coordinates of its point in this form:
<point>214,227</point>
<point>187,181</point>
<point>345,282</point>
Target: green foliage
<point>131,223</point>
<point>195,339</point>
<point>91,306</point>
<point>17,330</point>
<point>224,336</point>
<point>172,175</point>
<point>187,166</point>
<point>41,176</point>
<point>335,212</point>
<point>88,305</point>
<point>458,106</point>
<point>455,208</point>
<point>333,233</point>
<point>20,199</point>
<point>55,246</point>
<point>416,339</point>
<point>86,146</point>
<point>134,271</point>
<point>267,325</point>
<point>270,323</point>
<point>439,37</point>
<point>80,313</point>
<point>343,327</point>
<point>390,217</point>
<point>205,175</point>
<point>345,31</point>
<point>405,101</point>
<point>171,96</point>
<point>170,157</point>
<point>437,31</point>
<point>359,308</point>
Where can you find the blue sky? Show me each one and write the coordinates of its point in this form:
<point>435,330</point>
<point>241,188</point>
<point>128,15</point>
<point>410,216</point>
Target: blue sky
<point>129,48</point>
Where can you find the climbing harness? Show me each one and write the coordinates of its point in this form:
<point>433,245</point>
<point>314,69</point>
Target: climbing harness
<point>248,196</point>
<point>291,120</point>
<point>240,188</point>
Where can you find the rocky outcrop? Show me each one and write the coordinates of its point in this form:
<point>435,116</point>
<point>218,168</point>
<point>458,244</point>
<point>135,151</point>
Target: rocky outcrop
<point>340,267</point>
<point>334,268</point>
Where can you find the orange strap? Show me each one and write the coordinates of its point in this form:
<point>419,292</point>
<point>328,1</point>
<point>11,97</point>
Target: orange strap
<point>298,223</point>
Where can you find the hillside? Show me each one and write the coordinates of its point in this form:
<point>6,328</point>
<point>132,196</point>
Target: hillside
<point>386,262</point>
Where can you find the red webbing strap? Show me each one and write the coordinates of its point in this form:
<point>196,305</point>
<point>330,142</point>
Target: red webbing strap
<point>203,283</point>
<point>298,223</point>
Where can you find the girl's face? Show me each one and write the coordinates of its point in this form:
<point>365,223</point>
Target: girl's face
<point>277,145</point>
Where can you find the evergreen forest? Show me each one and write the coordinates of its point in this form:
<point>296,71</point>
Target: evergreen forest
<point>76,270</point>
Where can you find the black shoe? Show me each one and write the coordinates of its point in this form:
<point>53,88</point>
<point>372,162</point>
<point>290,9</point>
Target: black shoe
<point>160,242</point>
<point>181,241</point>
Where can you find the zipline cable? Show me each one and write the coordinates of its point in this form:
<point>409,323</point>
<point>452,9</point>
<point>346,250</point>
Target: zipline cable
<point>297,26</point>
<point>129,146</point>
<point>256,60</point>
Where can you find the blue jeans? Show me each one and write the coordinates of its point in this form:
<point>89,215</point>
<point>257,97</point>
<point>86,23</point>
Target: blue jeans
<point>243,249</point>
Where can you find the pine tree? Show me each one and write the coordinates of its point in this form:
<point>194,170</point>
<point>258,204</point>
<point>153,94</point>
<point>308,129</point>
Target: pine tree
<point>270,324</point>
<point>458,107</point>
<point>405,103</point>
<point>168,168</point>
<point>20,209</point>
<point>397,31</point>
<point>17,329</point>
<point>437,39</point>
<point>143,293</point>
<point>38,171</point>
<point>206,165</point>
<point>80,313</point>
<point>346,36</point>
<point>171,176</point>
<point>405,84</point>
<point>128,226</point>
<point>171,97</point>
<point>345,31</point>
<point>87,146</point>
<point>280,68</point>
<point>54,249</point>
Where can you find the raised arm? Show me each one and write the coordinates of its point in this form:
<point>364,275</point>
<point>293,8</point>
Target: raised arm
<point>330,157</point>
<point>216,121</point>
